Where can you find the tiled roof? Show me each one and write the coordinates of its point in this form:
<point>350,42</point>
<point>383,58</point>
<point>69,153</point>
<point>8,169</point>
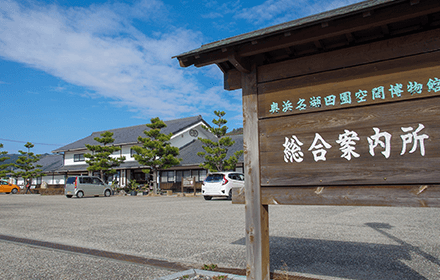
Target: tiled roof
<point>48,162</point>
<point>51,163</point>
<point>189,156</point>
<point>130,134</point>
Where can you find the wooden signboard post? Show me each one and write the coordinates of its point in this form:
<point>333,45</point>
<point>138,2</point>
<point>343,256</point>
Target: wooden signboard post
<point>340,108</point>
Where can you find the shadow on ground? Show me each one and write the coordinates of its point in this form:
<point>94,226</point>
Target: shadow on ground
<point>344,259</point>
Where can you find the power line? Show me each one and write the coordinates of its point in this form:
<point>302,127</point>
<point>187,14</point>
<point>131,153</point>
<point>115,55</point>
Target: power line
<point>16,141</point>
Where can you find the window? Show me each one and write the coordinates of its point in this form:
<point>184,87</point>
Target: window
<point>179,176</point>
<point>170,176</point>
<point>202,175</point>
<point>96,181</point>
<point>85,180</point>
<point>212,178</point>
<point>167,176</point>
<point>78,157</point>
<point>163,177</point>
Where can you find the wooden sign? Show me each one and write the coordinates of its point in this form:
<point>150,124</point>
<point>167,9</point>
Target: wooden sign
<point>367,145</point>
<point>340,108</point>
<point>380,129</point>
<point>411,78</point>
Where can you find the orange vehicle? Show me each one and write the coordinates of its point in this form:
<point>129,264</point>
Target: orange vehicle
<point>8,187</point>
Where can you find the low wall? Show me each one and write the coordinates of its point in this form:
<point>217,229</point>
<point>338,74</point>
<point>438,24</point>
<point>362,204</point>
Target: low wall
<point>52,190</point>
<point>177,187</point>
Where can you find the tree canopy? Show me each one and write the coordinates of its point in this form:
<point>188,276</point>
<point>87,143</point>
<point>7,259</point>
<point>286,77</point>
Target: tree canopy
<point>216,151</point>
<point>25,164</point>
<point>3,167</point>
<point>100,158</point>
<point>156,151</point>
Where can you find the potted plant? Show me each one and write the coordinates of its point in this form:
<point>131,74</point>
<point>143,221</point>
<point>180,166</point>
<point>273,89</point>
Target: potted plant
<point>145,189</point>
<point>115,187</point>
<point>133,187</point>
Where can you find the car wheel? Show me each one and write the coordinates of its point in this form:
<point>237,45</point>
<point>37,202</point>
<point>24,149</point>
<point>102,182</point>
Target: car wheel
<point>69,196</point>
<point>230,195</point>
<point>80,195</point>
<point>207,197</point>
<point>107,193</point>
<point>14,191</point>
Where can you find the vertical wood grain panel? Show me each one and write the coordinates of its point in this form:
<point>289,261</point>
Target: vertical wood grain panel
<point>257,236</point>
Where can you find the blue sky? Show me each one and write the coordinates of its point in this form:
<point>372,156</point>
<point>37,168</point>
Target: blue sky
<point>69,68</point>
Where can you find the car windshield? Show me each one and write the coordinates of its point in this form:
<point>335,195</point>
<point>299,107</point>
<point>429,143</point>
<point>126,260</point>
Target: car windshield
<point>214,178</point>
<point>70,180</point>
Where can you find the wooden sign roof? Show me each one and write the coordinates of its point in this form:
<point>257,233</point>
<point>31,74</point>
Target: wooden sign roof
<point>349,26</point>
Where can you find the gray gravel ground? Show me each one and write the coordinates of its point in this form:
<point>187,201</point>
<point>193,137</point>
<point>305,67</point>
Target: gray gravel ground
<point>315,241</point>
<point>28,262</point>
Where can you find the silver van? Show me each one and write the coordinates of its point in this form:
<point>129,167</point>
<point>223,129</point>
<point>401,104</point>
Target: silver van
<point>86,185</point>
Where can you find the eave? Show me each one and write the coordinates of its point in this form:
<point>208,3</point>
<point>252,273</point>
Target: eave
<point>345,27</point>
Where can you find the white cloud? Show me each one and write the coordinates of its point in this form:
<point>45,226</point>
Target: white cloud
<point>212,15</point>
<point>98,48</point>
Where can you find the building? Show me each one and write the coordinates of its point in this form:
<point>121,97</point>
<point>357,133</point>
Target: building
<point>186,132</point>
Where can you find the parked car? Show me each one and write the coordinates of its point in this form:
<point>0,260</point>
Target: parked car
<point>7,187</point>
<point>220,184</point>
<point>81,186</point>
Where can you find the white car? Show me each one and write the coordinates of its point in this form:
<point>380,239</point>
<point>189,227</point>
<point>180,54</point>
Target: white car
<point>221,183</point>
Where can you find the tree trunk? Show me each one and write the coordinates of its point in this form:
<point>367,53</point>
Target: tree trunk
<point>154,181</point>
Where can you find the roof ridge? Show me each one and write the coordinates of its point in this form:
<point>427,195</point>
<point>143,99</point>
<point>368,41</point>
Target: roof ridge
<point>125,127</point>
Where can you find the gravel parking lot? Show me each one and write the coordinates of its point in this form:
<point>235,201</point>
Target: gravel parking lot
<point>314,241</point>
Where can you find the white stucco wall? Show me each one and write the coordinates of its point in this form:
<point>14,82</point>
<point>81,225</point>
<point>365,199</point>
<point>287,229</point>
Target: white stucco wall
<point>184,137</point>
<point>69,157</point>
<point>54,180</point>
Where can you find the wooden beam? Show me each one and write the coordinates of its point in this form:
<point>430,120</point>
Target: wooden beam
<point>387,49</point>
<point>350,38</point>
<point>343,26</point>
<point>385,30</point>
<point>222,67</point>
<point>232,80</point>
<point>241,64</point>
<point>367,14</point>
<point>398,196</point>
<point>318,45</point>
<point>257,224</point>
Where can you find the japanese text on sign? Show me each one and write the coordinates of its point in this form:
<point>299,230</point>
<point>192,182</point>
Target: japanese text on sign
<point>394,91</point>
<point>412,140</point>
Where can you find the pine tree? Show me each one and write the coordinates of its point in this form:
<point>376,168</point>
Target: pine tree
<point>3,167</point>
<point>100,157</point>
<point>25,165</point>
<point>216,151</point>
<point>156,151</point>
